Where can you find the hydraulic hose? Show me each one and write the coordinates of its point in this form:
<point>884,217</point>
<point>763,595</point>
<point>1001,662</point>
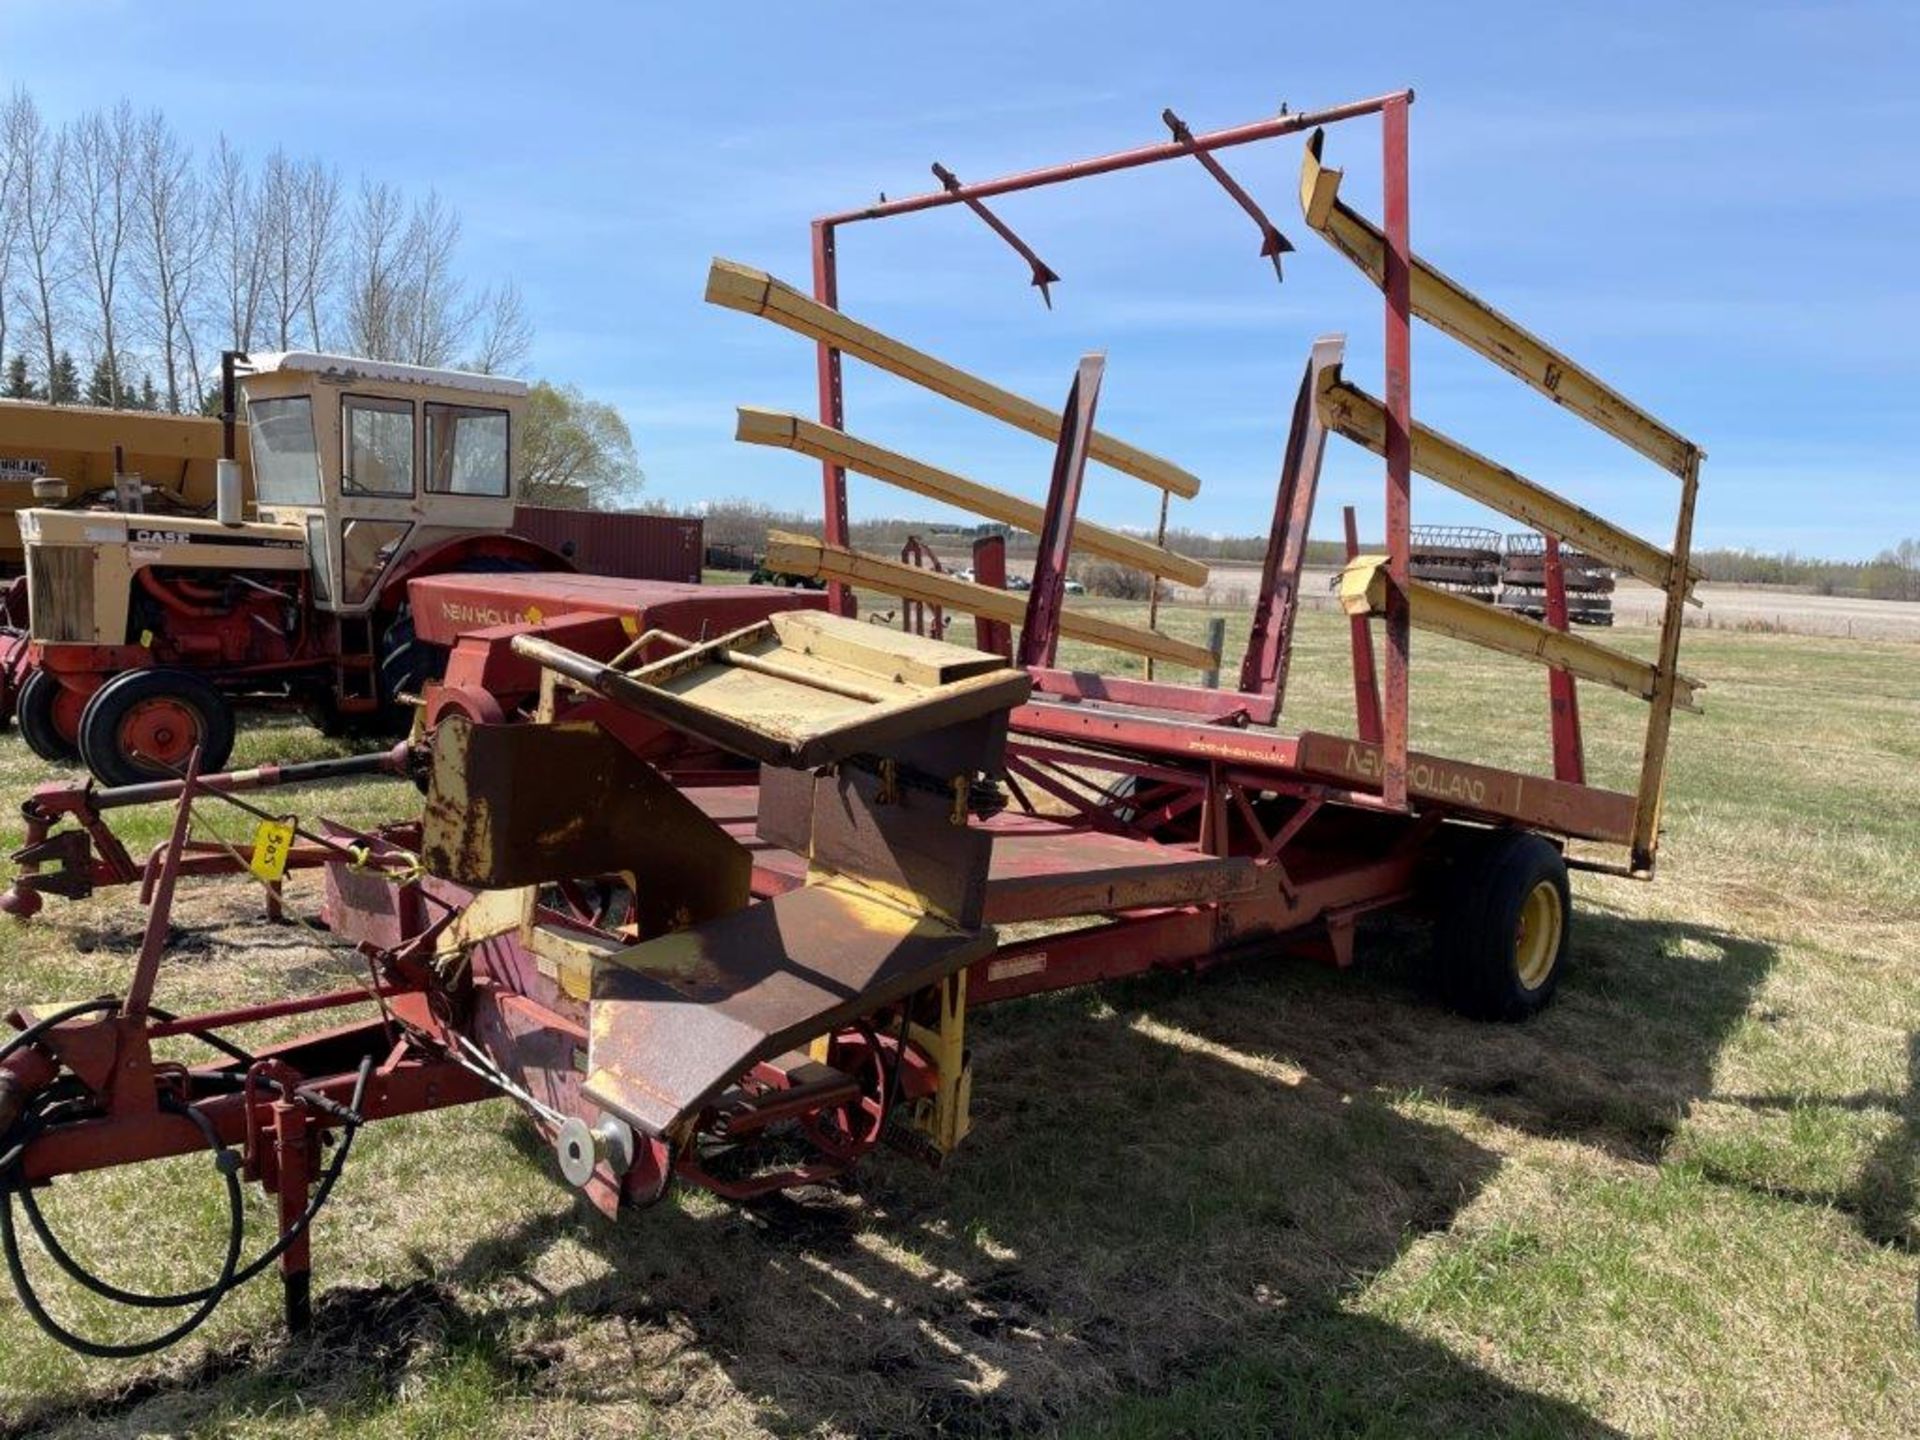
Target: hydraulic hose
<point>232,1274</point>
<point>229,1165</point>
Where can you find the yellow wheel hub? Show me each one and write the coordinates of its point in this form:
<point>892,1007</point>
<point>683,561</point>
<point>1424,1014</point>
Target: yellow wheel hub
<point>1536,943</point>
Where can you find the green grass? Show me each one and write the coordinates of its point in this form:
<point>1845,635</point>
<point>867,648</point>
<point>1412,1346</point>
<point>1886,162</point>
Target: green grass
<point>1275,1200</point>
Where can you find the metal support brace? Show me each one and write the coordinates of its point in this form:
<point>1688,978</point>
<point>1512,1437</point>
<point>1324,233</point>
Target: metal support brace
<point>1043,275</point>
<point>1272,243</point>
<point>1040,633</point>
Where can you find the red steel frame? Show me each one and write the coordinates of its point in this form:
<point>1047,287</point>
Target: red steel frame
<point>1392,109</point>
<point>1234,805</point>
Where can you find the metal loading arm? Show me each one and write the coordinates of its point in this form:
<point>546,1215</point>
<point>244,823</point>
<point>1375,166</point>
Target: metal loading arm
<point>791,432</point>
<point>804,555</point>
<point>739,287</point>
<point>872,742</point>
<point>1449,306</point>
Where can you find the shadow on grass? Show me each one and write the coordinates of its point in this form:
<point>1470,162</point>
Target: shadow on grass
<point>1882,1201</point>
<point>1175,1193</point>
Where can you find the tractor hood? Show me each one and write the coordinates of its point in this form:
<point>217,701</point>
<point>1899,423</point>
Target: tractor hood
<point>111,527</point>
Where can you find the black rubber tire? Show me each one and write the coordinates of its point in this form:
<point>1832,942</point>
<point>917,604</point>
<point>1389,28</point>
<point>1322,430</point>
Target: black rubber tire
<point>100,723</point>
<point>33,710</point>
<point>408,663</point>
<point>1476,940</point>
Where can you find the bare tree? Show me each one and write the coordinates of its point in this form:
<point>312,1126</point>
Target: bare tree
<point>170,253</point>
<point>376,274</point>
<point>438,313</point>
<point>101,146</point>
<point>319,197</point>
<point>9,221</point>
<point>238,250</point>
<point>506,334</point>
<point>39,159</point>
<point>281,225</point>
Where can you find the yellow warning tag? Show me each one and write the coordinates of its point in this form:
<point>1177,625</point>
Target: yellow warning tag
<point>629,624</point>
<point>146,639</point>
<point>272,843</point>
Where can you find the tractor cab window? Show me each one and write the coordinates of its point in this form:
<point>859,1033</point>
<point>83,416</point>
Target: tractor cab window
<point>377,437</point>
<point>466,450</point>
<point>319,562</point>
<point>286,461</point>
<point>367,547</point>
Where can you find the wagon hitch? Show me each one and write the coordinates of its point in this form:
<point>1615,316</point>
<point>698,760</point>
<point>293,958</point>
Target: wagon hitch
<point>73,863</point>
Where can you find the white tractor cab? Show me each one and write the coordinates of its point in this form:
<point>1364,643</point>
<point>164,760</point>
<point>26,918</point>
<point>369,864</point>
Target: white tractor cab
<point>146,632</point>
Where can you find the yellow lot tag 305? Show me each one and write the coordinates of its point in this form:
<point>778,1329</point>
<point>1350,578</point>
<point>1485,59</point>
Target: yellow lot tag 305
<point>272,843</point>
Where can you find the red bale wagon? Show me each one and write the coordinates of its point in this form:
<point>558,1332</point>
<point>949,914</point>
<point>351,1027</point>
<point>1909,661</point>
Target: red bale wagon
<point>713,895</point>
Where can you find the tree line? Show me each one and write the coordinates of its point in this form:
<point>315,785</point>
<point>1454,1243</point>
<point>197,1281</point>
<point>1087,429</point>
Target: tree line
<point>125,246</point>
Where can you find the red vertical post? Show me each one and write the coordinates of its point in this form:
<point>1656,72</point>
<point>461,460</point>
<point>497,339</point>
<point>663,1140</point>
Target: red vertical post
<point>1399,446</point>
<point>292,1134</point>
<point>1366,681</point>
<point>990,568</point>
<point>833,410</point>
<point>1569,752</point>
<point>1040,630</point>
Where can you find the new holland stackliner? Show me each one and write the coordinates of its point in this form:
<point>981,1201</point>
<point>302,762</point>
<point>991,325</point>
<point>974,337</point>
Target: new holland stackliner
<point>711,886</point>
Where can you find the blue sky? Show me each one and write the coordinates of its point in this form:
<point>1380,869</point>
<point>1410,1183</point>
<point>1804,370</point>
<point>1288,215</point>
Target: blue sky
<point>1717,206</point>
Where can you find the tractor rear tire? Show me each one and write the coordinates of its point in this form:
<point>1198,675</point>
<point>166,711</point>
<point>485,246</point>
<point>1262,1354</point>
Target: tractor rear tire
<point>34,709</point>
<point>407,662</point>
<point>161,712</point>
<point>1502,937</point>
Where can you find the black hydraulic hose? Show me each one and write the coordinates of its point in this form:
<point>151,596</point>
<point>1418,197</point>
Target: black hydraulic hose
<point>208,1038</point>
<point>232,1274</point>
<point>228,1164</point>
<point>106,1290</point>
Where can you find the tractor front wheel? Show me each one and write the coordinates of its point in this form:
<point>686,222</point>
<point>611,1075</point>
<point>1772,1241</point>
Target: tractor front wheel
<point>1502,938</point>
<point>145,724</point>
<point>49,717</point>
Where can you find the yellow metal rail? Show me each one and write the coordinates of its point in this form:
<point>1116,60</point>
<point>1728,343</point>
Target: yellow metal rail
<point>1447,305</point>
<point>1363,591</point>
<point>1362,419</point>
<point>740,287</point>
<point>1366,583</point>
<point>804,555</point>
<point>790,432</point>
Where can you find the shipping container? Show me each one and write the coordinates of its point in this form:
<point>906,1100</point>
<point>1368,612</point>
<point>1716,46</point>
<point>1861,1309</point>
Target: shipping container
<point>620,543</point>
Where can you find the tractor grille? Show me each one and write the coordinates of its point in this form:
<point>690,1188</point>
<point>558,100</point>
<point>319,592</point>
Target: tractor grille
<point>60,592</point>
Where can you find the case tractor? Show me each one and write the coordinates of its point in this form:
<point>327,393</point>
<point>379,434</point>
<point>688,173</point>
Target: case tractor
<point>146,632</point>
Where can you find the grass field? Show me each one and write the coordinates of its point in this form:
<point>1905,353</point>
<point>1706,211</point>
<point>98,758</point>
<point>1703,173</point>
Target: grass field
<point>1275,1200</point>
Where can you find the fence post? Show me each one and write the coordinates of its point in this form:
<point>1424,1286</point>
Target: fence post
<point>1217,643</point>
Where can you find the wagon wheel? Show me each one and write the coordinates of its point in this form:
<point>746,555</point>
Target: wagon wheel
<point>1501,944</point>
<point>144,725</point>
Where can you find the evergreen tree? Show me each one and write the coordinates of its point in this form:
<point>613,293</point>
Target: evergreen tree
<point>19,385</point>
<point>100,385</point>
<point>63,386</point>
<point>149,397</point>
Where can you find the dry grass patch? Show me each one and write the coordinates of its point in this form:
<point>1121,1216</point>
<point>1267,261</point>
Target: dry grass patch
<point>1271,1200</point>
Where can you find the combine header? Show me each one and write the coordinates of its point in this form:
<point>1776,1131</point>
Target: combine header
<point>713,894</point>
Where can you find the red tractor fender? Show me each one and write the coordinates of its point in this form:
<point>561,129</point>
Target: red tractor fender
<point>452,554</point>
